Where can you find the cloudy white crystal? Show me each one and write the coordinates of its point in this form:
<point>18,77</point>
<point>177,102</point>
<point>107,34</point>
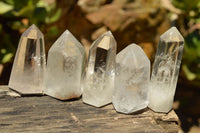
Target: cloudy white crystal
<point>65,67</point>
<point>131,80</point>
<point>99,78</point>
<point>166,70</point>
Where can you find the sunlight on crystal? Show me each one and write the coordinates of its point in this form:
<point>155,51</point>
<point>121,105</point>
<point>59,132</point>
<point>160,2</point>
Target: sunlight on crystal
<point>27,76</point>
<point>99,80</point>
<point>166,70</point>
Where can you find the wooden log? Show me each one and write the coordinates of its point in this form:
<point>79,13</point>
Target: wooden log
<point>46,114</point>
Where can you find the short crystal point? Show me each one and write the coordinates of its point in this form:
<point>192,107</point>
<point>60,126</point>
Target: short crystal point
<point>131,80</point>
<point>99,78</point>
<point>65,67</point>
<point>165,71</point>
<point>172,35</point>
<point>33,32</point>
<point>27,76</point>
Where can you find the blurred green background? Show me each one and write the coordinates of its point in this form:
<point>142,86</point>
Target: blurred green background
<point>138,21</point>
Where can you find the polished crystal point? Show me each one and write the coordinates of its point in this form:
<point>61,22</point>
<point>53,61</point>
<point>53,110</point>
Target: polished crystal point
<point>65,67</point>
<point>165,71</point>
<point>27,76</point>
<point>131,80</point>
<point>99,78</point>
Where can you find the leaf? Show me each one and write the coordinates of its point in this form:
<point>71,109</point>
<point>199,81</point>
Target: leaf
<point>16,25</point>
<point>40,14</point>
<point>5,7</point>
<point>53,31</point>
<point>24,12</point>
<point>19,4</point>
<point>188,73</point>
<point>7,58</point>
<point>55,17</point>
<point>3,51</point>
<point>11,2</point>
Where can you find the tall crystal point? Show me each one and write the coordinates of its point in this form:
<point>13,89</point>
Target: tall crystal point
<point>99,78</point>
<point>166,70</point>
<point>65,66</point>
<point>27,76</point>
<point>131,80</point>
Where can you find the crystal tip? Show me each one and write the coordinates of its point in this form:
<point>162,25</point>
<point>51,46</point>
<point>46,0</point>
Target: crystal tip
<point>67,32</point>
<point>33,32</point>
<point>33,26</point>
<point>172,35</point>
<point>108,33</point>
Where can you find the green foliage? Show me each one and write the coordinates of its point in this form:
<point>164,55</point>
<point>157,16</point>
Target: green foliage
<point>53,31</point>
<point>186,5</point>
<point>191,18</point>
<point>17,15</point>
<point>191,57</point>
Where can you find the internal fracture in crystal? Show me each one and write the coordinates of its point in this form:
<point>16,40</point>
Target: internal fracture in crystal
<point>99,78</point>
<point>166,70</point>
<point>65,68</point>
<point>131,80</point>
<point>27,76</point>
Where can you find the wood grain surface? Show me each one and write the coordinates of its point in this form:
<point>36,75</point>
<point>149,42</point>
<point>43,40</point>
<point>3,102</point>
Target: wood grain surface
<point>45,114</point>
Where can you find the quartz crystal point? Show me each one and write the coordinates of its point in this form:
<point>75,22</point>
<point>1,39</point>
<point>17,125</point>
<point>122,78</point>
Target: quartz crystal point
<point>99,78</point>
<point>131,80</point>
<point>65,67</point>
<point>27,76</point>
<point>165,71</point>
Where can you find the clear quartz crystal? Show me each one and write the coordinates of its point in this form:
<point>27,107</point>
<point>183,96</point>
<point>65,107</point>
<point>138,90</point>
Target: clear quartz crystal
<point>166,70</point>
<point>99,78</point>
<point>65,67</point>
<point>131,80</point>
<point>27,76</point>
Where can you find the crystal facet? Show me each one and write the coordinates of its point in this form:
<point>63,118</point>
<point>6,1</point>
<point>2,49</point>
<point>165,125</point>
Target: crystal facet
<point>131,80</point>
<point>166,70</point>
<point>99,78</point>
<point>27,76</point>
<point>65,67</point>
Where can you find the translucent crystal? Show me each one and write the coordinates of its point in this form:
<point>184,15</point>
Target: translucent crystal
<point>131,80</point>
<point>99,79</point>
<point>166,70</point>
<point>65,67</point>
<point>27,76</point>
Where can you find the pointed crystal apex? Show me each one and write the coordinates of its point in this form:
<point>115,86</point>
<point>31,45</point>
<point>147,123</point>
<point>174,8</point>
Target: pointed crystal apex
<point>131,52</point>
<point>65,68</point>
<point>33,32</point>
<point>65,34</point>
<point>67,38</point>
<point>29,66</point>
<point>108,34</point>
<point>131,80</point>
<point>99,79</point>
<point>172,35</point>
<point>104,43</point>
